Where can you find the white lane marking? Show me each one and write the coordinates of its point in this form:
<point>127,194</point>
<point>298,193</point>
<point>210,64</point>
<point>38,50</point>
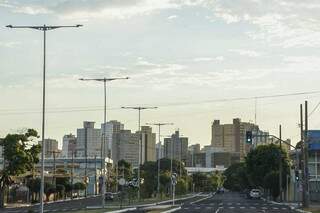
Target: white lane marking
<point>218,210</point>
<point>231,207</point>
<point>172,210</point>
<point>242,207</point>
<point>275,208</point>
<point>202,199</point>
<point>186,208</point>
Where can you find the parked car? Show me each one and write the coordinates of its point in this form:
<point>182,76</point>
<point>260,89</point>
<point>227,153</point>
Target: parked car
<point>220,190</point>
<point>108,196</point>
<point>255,194</point>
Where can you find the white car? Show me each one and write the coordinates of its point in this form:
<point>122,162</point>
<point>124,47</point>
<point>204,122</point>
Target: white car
<point>255,194</point>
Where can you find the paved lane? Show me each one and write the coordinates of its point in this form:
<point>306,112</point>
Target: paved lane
<point>230,202</point>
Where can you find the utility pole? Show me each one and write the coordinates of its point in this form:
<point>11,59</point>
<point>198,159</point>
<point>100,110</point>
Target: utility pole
<point>159,152</point>
<point>95,175</point>
<point>280,164</point>
<point>43,28</point>
<point>72,173</point>
<point>103,141</point>
<point>302,157</point>
<point>86,158</point>
<point>306,158</point>
<point>139,108</point>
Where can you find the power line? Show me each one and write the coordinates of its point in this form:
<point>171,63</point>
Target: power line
<point>172,104</point>
<point>314,109</point>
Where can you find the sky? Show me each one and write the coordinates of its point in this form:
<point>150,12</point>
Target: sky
<point>180,55</point>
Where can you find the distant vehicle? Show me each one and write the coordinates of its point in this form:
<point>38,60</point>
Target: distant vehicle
<point>255,194</point>
<point>108,196</point>
<point>220,190</point>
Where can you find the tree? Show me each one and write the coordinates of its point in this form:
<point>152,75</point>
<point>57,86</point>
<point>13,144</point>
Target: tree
<point>236,177</point>
<point>19,156</point>
<point>271,182</point>
<point>34,187</point>
<point>63,179</point>
<point>49,189</point>
<point>264,160</point>
<point>79,186</point>
<point>149,173</point>
<point>60,189</point>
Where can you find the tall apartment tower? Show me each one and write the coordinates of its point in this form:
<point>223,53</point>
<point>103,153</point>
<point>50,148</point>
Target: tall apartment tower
<point>88,138</point>
<point>148,144</point>
<point>231,137</point>
<point>69,143</point>
<point>176,147</point>
<point>51,146</point>
<point>112,127</point>
<point>125,147</point>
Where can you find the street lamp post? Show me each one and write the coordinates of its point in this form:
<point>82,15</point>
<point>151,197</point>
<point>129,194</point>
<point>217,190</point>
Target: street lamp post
<point>103,153</point>
<point>43,28</point>
<point>139,108</point>
<point>159,151</point>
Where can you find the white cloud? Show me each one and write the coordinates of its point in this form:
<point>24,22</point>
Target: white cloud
<point>202,59</point>
<point>9,44</point>
<point>286,23</point>
<point>249,53</point>
<point>172,17</point>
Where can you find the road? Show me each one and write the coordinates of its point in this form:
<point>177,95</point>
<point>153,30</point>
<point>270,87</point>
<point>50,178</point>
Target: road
<point>231,202</point>
<point>66,206</point>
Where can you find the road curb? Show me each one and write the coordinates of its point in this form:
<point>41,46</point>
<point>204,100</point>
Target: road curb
<point>172,210</point>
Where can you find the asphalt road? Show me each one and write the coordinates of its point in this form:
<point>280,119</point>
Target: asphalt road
<point>230,202</point>
<point>66,206</point>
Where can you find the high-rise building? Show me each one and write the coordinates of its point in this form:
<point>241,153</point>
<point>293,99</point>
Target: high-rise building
<point>88,138</point>
<point>232,137</point>
<point>148,144</point>
<point>69,145</point>
<point>125,146</point>
<point>159,151</point>
<point>176,147</point>
<point>112,127</point>
<point>50,147</point>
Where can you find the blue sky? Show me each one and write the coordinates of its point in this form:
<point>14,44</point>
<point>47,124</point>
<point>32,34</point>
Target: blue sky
<point>173,51</point>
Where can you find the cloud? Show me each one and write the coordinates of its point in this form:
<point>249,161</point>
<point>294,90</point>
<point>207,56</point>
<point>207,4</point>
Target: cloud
<point>74,9</point>
<point>172,17</point>
<point>286,23</point>
<point>9,44</point>
<point>249,53</point>
<point>203,59</point>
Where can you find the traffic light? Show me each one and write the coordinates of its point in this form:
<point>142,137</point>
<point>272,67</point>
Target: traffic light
<point>297,175</point>
<point>249,137</point>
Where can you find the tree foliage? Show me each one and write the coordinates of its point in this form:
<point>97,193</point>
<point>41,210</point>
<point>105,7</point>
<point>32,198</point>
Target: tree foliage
<point>236,177</point>
<point>264,160</point>
<point>20,155</point>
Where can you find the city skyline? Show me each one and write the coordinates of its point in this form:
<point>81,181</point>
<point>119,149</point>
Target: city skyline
<point>183,52</point>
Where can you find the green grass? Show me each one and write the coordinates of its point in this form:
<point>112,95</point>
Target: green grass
<point>313,210</point>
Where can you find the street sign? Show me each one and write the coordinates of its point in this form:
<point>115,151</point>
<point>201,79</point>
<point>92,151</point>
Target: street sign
<point>174,179</point>
<point>122,181</point>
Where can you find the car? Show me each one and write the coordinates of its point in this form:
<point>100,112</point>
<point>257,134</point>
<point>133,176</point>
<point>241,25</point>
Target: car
<point>220,190</point>
<point>255,194</point>
<point>108,196</point>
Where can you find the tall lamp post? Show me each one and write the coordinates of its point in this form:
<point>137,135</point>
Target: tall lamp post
<point>43,28</point>
<point>139,108</point>
<point>159,151</point>
<point>103,153</point>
